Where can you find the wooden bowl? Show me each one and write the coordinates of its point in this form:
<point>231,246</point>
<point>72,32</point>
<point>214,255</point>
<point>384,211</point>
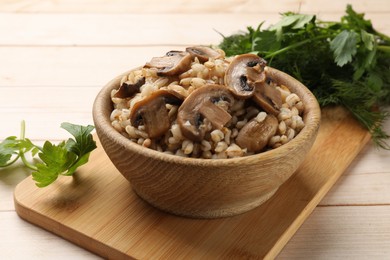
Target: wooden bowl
<point>206,188</point>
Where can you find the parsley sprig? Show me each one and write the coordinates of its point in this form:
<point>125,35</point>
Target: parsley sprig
<point>343,63</point>
<point>61,159</point>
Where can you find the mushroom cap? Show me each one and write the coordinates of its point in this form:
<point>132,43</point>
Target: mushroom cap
<point>240,79</point>
<point>202,103</point>
<point>203,53</point>
<point>268,98</point>
<point>153,112</point>
<point>255,135</point>
<point>173,63</point>
<point>127,89</point>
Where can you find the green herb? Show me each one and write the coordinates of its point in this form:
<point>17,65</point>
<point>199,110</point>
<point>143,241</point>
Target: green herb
<point>55,160</point>
<point>343,63</point>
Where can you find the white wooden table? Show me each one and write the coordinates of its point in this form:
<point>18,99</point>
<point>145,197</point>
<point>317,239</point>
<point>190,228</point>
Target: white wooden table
<point>56,55</point>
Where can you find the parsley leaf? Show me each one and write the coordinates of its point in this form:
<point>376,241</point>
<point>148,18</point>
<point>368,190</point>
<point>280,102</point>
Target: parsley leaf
<point>56,159</point>
<point>82,145</point>
<point>8,148</point>
<point>295,21</point>
<point>344,47</point>
<point>368,40</point>
<point>61,159</point>
<point>83,142</point>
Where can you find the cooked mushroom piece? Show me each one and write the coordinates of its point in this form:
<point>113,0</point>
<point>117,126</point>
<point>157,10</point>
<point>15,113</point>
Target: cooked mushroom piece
<point>255,135</point>
<point>173,63</point>
<point>152,112</point>
<point>267,97</point>
<point>204,103</point>
<point>203,53</point>
<point>128,89</point>
<point>243,72</point>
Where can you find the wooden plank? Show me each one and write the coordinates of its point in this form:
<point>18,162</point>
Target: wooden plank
<point>178,6</point>
<point>50,99</point>
<point>9,178</point>
<point>71,66</point>
<point>24,241</point>
<point>42,126</point>
<point>130,227</point>
<point>120,29</point>
<point>134,29</point>
<point>342,233</point>
<point>355,233</point>
<point>367,180</point>
<point>375,155</point>
<point>360,189</point>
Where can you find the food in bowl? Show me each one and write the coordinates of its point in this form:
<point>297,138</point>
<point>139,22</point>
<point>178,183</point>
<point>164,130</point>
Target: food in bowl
<point>196,187</point>
<point>198,103</point>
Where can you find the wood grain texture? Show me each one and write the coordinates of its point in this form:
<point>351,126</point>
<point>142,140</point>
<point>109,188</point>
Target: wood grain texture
<point>99,211</point>
<point>21,240</point>
<point>79,66</point>
<point>123,29</point>
<point>180,6</point>
<point>316,239</point>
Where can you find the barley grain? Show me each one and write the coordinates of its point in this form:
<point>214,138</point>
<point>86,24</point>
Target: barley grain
<point>290,134</point>
<point>205,145</point>
<point>217,135</point>
<point>261,117</point>
<point>282,127</point>
<point>147,142</point>
<point>240,124</point>
<point>221,146</point>
<point>292,99</point>
<point>187,146</point>
<point>234,151</point>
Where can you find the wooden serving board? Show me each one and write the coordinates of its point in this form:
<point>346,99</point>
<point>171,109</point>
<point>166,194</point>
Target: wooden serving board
<point>99,211</point>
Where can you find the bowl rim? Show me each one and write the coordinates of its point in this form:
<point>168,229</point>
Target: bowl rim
<point>312,118</point>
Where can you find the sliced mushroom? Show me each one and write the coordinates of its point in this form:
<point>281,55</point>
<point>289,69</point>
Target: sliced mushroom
<point>215,114</point>
<point>202,103</point>
<point>203,53</point>
<point>255,135</point>
<point>243,72</point>
<point>173,63</point>
<point>128,89</point>
<point>152,112</point>
<point>267,97</point>
<point>255,74</point>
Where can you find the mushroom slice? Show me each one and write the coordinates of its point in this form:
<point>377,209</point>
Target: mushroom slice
<point>255,135</point>
<point>203,103</point>
<point>268,97</point>
<point>152,112</point>
<point>173,63</point>
<point>203,53</point>
<point>242,72</point>
<point>128,89</point>
<point>218,116</point>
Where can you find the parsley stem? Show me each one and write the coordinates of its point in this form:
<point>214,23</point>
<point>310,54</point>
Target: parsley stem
<point>293,46</point>
<point>22,130</point>
<point>21,152</point>
<point>384,48</point>
<point>24,160</point>
<point>381,35</point>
